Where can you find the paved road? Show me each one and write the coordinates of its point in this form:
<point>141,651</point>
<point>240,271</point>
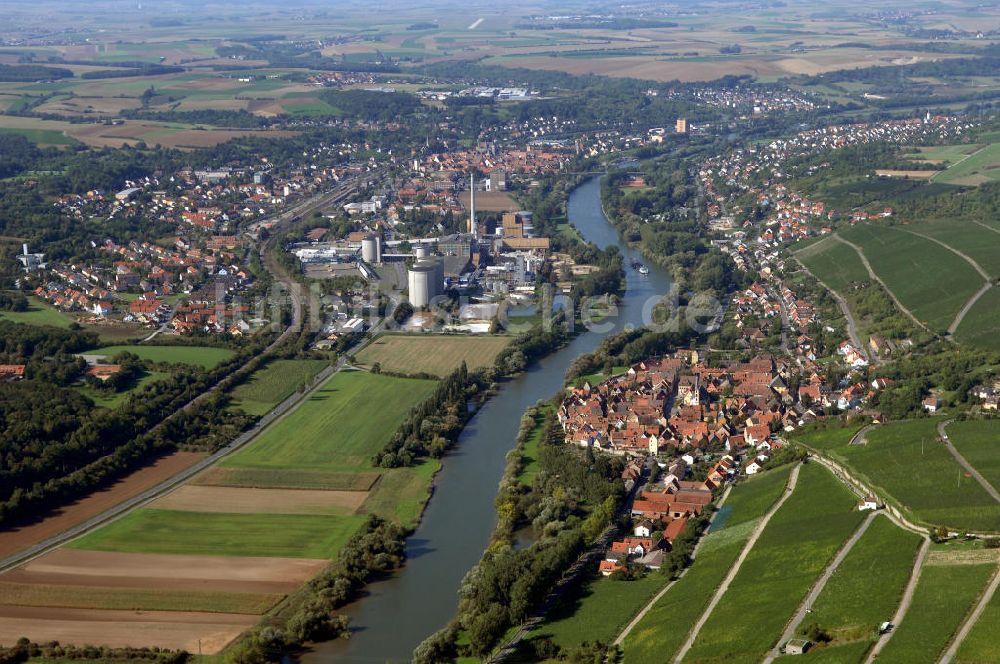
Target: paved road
<point>817,588</point>
<point>734,570</point>
<point>852,324</point>
<point>904,604</point>
<point>871,273</point>
<point>694,554</point>
<point>971,619</point>
<point>943,433</point>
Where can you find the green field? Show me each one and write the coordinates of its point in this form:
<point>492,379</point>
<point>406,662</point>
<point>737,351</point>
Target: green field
<point>982,645</point>
<point>203,356</point>
<point>135,599</point>
<point>274,383</point>
<point>906,460</point>
<point>930,281</point>
<point>791,552</point>
<point>219,534</point>
<point>980,244</point>
<point>980,325</point>
<point>529,458</point>
<point>598,610</point>
<point>979,167</point>
<point>38,313</point>
<point>865,590</point>
<point>437,355</point>
<point>44,137</point>
<point>979,442</point>
<point>662,631</point>
<point>946,153</point>
<point>338,428</point>
<point>944,596</point>
<point>401,493</point>
<point>834,263</point>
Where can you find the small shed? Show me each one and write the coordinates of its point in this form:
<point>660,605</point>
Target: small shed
<point>797,646</point>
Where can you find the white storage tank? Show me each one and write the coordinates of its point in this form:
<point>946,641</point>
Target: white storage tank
<point>421,280</point>
<point>371,249</point>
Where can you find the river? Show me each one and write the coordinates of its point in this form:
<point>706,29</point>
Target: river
<point>399,612</point>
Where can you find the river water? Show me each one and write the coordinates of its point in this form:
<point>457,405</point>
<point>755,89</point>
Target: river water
<point>400,612</point>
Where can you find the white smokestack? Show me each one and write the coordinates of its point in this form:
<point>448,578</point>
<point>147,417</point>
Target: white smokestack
<point>472,205</point>
<point>24,248</point>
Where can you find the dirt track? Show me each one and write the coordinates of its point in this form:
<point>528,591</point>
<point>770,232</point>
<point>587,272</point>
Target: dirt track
<point>21,538</point>
<point>166,629</point>
<point>245,500</point>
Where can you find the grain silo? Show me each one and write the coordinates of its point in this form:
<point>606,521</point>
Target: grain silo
<point>422,280</point>
<point>371,249</point>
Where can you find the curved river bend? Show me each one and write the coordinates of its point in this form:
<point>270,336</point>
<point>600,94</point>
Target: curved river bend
<point>400,612</point>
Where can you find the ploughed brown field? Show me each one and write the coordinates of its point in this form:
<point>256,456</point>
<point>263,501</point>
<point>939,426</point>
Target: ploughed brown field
<point>187,630</point>
<point>247,500</point>
<point>78,596</point>
<point>19,538</point>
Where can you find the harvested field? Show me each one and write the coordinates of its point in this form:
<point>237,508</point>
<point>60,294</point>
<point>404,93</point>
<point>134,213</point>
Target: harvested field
<point>917,175</point>
<point>491,201</point>
<point>245,500</point>
<point>166,572</point>
<point>962,556</point>
<point>287,479</point>
<point>18,538</point>
<point>133,599</point>
<point>436,355</point>
<point>187,630</point>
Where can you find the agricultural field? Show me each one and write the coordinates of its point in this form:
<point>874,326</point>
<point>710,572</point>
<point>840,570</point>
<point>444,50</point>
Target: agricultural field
<point>979,442</point>
<point>819,517</point>
<point>274,383</point>
<point>945,594</point>
<point>906,460</point>
<point>312,536</point>
<point>204,356</point>
<point>979,241</point>
<point>942,154</point>
<point>980,325</point>
<point>237,546</point>
<point>981,643</point>
<point>662,631</point>
<point>931,281</point>
<point>866,588</point>
<point>437,355</point>
<point>976,168</point>
<point>834,263</point>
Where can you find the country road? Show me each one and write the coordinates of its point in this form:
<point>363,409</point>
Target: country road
<point>817,588</point>
<point>943,433</point>
<point>852,324</point>
<point>859,437</point>
<point>793,479</point>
